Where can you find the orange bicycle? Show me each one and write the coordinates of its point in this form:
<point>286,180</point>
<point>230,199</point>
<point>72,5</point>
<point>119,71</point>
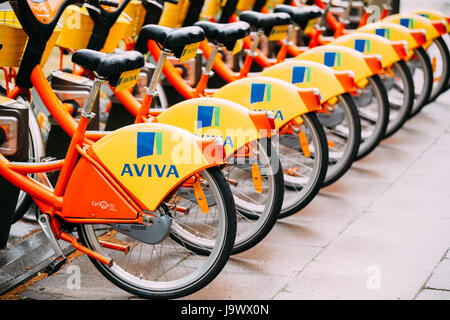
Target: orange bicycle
<point>252,168</point>
<point>283,100</point>
<point>131,221</point>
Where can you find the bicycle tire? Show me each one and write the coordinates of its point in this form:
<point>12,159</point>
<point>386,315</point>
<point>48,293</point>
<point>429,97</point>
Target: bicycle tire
<point>403,110</point>
<point>421,96</point>
<point>369,144</point>
<point>36,153</point>
<point>259,217</point>
<point>134,283</point>
<point>441,86</point>
<point>320,166</point>
<point>339,165</point>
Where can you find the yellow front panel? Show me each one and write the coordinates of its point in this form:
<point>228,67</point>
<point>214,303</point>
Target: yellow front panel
<point>265,93</point>
<point>307,74</point>
<point>433,15</point>
<point>390,31</point>
<point>150,159</point>
<point>212,117</point>
<point>370,44</point>
<point>413,21</point>
<point>339,58</point>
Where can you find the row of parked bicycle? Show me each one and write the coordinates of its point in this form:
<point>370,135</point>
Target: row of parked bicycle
<point>273,100</point>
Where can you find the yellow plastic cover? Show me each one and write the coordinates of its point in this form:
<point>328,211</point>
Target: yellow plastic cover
<point>213,117</point>
<point>150,159</point>
<point>339,58</point>
<point>266,93</point>
<point>308,74</point>
<point>370,44</point>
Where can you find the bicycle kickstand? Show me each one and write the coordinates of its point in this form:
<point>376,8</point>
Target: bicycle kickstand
<point>60,259</point>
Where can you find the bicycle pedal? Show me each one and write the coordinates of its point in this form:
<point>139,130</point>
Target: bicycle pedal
<point>55,265</point>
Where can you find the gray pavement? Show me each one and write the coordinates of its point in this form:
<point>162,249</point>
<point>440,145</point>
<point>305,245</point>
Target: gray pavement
<point>381,232</point>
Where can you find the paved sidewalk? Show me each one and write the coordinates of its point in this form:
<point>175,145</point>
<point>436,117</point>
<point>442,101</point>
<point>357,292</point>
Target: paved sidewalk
<point>381,232</point>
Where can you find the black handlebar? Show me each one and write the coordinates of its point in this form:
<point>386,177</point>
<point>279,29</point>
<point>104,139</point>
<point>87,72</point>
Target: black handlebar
<point>110,3</point>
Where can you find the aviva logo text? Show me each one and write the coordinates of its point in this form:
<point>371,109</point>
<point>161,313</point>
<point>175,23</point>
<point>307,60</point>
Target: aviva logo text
<point>332,59</point>
<point>149,144</point>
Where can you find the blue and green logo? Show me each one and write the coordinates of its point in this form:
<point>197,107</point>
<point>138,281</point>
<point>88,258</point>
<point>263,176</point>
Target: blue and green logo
<point>383,32</point>
<point>362,45</point>
<point>260,92</point>
<point>301,74</point>
<point>406,22</point>
<point>206,115</point>
<point>149,143</point>
<point>332,59</point>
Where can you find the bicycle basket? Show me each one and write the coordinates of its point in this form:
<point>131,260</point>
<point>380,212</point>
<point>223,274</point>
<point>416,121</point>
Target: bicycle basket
<point>77,29</point>
<point>14,40</point>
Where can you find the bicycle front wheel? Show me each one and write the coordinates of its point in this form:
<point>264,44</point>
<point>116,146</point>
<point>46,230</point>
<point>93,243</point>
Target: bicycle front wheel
<point>171,268</point>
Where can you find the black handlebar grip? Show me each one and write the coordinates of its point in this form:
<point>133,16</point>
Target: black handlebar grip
<point>110,3</point>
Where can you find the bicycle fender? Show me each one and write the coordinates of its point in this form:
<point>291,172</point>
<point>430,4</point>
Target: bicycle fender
<point>413,21</point>
<point>269,94</point>
<point>344,59</point>
<point>214,117</point>
<point>434,15</point>
<point>309,74</point>
<point>390,51</point>
<point>396,32</point>
<point>150,159</point>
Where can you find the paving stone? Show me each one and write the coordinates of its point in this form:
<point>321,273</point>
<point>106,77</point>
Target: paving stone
<point>64,285</point>
<point>264,259</point>
<point>433,295</point>
<point>240,287</point>
<point>413,243</point>
<point>333,280</point>
<point>440,278</point>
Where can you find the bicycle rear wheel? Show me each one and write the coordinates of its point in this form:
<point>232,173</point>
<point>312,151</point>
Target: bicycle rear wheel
<point>170,268</point>
<point>343,132</point>
<point>373,109</point>
<point>400,90</point>
<point>256,181</point>
<point>422,74</point>
<point>440,61</point>
<point>35,154</point>
<point>303,153</point>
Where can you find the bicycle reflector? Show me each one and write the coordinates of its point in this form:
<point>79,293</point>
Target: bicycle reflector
<point>374,63</point>
<point>13,129</point>
<point>347,80</point>
<point>311,97</point>
<point>440,27</point>
<point>401,48</point>
<point>420,35</point>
